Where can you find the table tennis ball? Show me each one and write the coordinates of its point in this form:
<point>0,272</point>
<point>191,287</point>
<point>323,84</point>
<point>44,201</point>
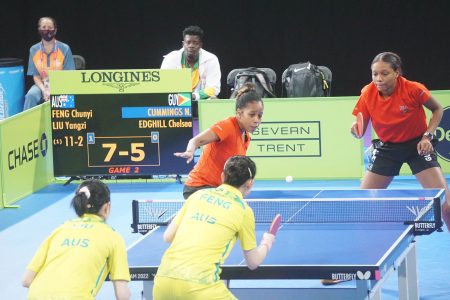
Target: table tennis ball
<point>289,178</point>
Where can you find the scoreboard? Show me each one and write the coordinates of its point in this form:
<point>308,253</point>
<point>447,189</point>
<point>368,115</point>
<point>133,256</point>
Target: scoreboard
<point>120,122</point>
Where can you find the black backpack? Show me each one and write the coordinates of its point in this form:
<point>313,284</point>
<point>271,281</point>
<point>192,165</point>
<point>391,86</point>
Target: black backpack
<point>307,80</point>
<point>263,78</point>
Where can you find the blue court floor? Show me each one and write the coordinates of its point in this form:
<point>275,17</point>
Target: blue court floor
<point>23,229</point>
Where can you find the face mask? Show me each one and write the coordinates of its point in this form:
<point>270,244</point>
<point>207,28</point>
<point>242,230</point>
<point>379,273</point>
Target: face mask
<point>47,35</point>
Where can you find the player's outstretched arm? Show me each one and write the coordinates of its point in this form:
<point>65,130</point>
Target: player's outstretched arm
<point>204,138</point>
<point>256,256</point>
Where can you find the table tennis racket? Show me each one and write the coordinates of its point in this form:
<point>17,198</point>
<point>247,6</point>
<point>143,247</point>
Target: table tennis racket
<point>275,224</point>
<point>359,125</point>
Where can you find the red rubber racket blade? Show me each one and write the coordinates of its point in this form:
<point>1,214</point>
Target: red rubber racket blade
<point>359,124</point>
<point>275,224</point>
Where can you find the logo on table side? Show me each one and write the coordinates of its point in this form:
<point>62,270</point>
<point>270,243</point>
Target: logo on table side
<point>363,276</point>
<point>146,227</point>
<point>424,226</point>
<point>351,276</point>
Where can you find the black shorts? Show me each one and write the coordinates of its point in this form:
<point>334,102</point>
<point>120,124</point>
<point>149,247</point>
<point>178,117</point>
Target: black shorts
<point>189,190</point>
<point>387,158</point>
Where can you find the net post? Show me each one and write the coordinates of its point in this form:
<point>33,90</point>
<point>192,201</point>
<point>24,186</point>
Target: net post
<point>135,215</point>
<point>437,213</point>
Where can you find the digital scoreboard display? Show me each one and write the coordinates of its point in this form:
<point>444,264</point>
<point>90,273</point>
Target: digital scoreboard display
<point>124,122</point>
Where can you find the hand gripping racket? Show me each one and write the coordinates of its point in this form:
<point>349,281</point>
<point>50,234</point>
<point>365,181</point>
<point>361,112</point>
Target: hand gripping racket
<point>359,125</point>
<point>275,224</point>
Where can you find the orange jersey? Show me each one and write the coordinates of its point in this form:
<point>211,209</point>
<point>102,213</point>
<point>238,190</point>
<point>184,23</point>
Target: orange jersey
<point>208,169</point>
<point>40,63</point>
<point>398,118</point>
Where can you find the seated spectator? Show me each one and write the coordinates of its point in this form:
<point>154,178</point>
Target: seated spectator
<point>49,54</point>
<point>205,68</point>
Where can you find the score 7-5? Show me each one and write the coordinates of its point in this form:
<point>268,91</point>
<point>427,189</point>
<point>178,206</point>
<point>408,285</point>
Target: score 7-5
<point>123,151</point>
<point>136,154</point>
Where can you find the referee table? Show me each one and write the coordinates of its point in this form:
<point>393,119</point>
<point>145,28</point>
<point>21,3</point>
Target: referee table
<point>357,235</point>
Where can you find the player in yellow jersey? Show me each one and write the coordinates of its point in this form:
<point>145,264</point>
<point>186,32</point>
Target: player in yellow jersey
<point>203,234</point>
<point>74,261</point>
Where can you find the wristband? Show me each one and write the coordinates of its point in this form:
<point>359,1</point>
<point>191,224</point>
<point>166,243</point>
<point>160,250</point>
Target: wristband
<point>429,135</point>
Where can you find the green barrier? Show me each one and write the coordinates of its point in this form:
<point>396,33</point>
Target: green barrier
<point>307,138</point>
<point>1,177</point>
<point>26,153</point>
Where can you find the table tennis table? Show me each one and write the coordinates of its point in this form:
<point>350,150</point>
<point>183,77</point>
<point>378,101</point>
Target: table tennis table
<point>357,235</point>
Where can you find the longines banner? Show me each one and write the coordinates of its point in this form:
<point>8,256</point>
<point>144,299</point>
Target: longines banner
<point>307,138</point>
<point>138,81</point>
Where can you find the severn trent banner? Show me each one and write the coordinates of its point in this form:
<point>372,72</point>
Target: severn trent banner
<point>307,138</point>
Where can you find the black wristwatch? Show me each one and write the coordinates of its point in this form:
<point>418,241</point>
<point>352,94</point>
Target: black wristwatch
<point>429,135</point>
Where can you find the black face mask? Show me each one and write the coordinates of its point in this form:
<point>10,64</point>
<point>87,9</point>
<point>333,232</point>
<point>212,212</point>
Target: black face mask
<point>47,34</point>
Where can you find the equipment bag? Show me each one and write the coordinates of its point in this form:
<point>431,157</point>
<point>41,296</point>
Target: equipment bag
<point>263,78</point>
<point>307,80</point>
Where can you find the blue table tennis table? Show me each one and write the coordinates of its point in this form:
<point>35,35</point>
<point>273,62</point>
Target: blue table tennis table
<point>357,235</point>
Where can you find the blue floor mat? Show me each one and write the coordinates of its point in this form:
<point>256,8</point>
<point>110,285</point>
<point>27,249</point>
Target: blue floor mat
<point>23,229</point>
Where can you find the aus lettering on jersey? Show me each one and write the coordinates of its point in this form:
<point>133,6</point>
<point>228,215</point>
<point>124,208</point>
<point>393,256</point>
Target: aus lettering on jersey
<point>71,242</point>
<point>204,218</point>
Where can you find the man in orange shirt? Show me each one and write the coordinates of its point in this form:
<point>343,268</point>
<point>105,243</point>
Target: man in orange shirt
<point>224,139</point>
<point>395,107</point>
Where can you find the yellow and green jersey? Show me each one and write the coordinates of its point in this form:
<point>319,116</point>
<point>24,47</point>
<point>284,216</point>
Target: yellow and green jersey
<point>208,225</point>
<point>204,93</point>
<point>74,261</point>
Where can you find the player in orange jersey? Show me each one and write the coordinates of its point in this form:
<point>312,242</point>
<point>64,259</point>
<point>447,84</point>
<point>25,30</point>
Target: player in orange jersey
<point>224,139</point>
<point>395,106</point>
